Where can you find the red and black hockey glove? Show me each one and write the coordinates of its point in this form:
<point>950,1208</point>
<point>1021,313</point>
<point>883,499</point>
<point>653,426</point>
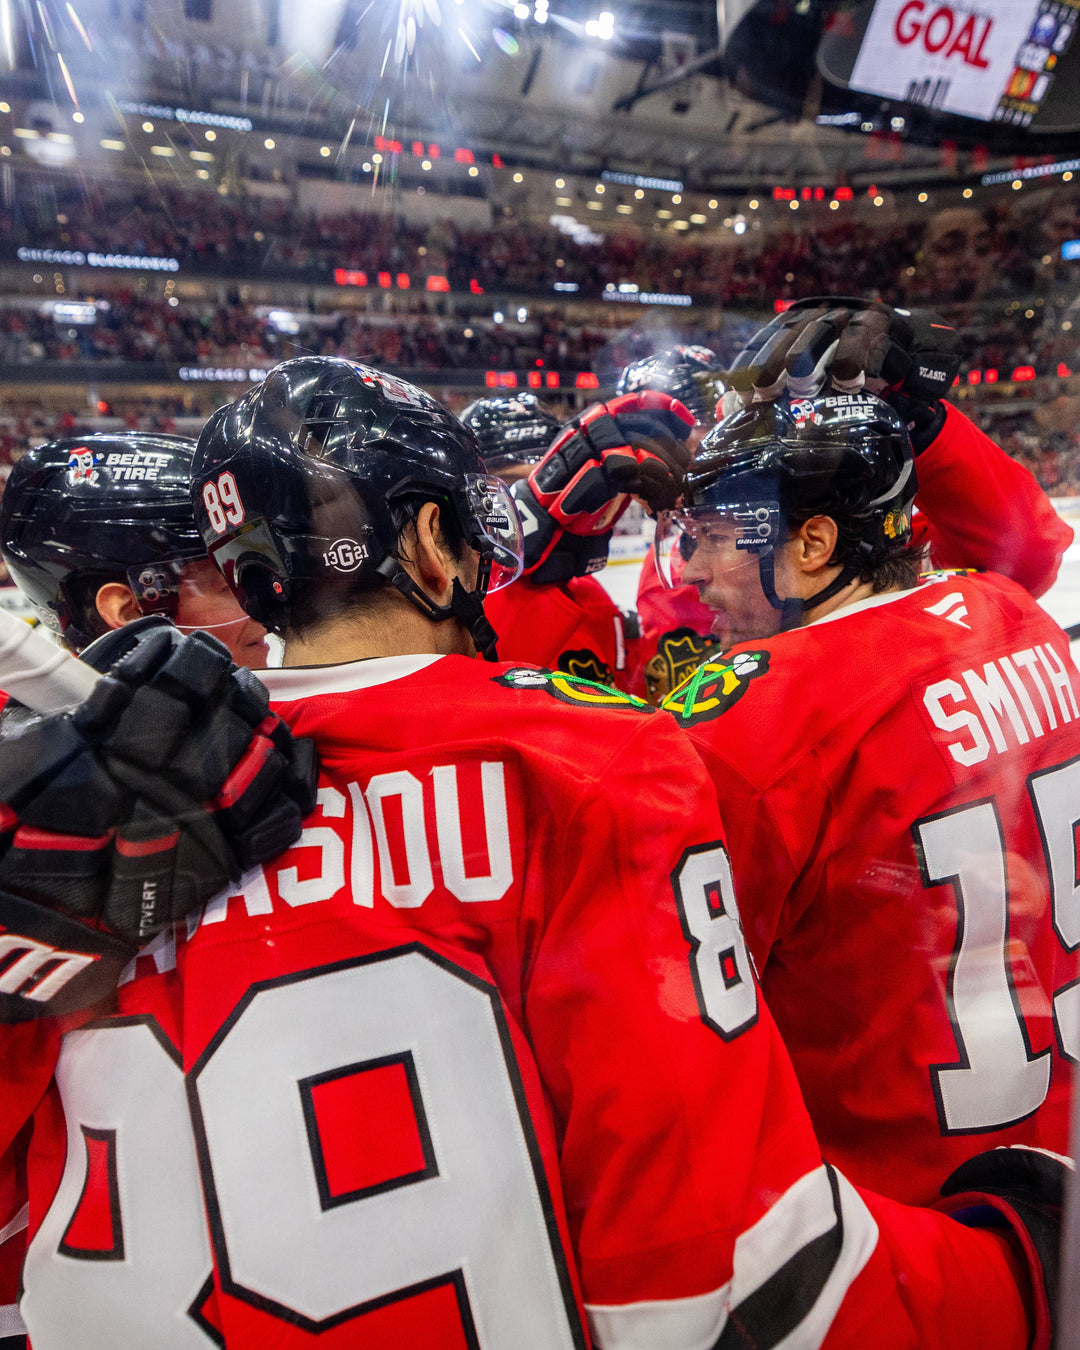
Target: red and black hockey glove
<point>1022,1189</point>
<point>909,357</point>
<point>125,814</point>
<point>631,446</point>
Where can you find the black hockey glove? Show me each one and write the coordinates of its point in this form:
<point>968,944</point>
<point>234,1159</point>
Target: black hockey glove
<point>1022,1189</point>
<point>123,815</point>
<point>909,357</point>
<point>631,446</point>
<point>551,553</point>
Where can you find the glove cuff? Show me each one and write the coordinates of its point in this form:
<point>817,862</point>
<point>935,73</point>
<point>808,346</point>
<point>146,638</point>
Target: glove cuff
<point>51,963</point>
<point>574,555</point>
<point>982,1209</point>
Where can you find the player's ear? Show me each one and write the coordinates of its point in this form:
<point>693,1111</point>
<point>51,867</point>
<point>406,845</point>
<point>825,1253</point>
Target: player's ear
<point>433,563</point>
<point>814,543</point>
<point>116,604</point>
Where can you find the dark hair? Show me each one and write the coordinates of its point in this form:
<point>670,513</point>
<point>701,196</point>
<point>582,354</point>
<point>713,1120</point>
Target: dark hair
<point>329,596</point>
<point>890,564</point>
<point>81,590</point>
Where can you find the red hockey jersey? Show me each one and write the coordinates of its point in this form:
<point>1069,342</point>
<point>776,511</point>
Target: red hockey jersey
<point>900,784</point>
<point>482,1050</point>
<point>981,508</point>
<point>575,627</point>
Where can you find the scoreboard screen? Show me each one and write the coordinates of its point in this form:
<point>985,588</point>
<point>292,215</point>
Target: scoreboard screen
<point>1015,63</point>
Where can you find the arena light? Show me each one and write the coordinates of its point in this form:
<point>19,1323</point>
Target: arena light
<point>602,27</point>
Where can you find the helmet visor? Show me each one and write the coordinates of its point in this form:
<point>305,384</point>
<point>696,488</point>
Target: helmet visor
<point>721,538</point>
<point>189,589</point>
<point>156,585</point>
<point>498,527</point>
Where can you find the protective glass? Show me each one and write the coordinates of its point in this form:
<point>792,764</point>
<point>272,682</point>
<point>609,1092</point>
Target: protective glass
<point>495,515</point>
<point>170,585</point>
<point>721,535</point>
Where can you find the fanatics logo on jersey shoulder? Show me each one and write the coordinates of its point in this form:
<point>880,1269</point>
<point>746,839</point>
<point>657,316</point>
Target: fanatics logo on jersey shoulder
<point>715,687</point>
<point>569,688</point>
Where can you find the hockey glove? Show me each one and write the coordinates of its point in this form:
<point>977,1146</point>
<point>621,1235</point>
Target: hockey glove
<point>1023,1189</point>
<point>125,814</point>
<point>908,357</point>
<point>631,446</point>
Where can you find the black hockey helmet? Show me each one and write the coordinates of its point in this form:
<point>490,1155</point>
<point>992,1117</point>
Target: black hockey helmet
<point>515,429</point>
<point>690,374</point>
<point>840,455</point>
<point>310,475</point>
<point>110,506</point>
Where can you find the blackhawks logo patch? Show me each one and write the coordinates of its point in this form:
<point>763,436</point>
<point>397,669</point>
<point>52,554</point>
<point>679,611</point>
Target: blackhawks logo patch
<point>715,687</point>
<point>677,654</point>
<point>569,688</point>
<point>586,665</point>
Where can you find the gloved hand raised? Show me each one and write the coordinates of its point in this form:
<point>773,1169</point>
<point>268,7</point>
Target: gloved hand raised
<point>632,446</point>
<point>121,816</point>
<point>908,357</point>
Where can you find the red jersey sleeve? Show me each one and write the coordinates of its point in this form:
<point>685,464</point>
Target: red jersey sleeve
<point>575,627</point>
<point>661,1060</point>
<point>14,1215</point>
<point>751,815</point>
<point>980,508</point>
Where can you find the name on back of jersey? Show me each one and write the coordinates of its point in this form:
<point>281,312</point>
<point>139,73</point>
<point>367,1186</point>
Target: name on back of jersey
<point>399,837</point>
<point>1007,702</point>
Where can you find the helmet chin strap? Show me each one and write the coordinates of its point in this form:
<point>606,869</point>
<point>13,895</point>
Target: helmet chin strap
<point>465,606</point>
<point>794,609</point>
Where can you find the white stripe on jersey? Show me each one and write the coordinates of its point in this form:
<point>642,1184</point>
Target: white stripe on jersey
<point>806,1212</point>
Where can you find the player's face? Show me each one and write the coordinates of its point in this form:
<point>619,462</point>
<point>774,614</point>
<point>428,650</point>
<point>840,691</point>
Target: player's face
<point>205,602</point>
<point>728,580</point>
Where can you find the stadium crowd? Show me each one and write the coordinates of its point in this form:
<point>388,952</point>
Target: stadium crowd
<point>981,267</point>
<point>957,254</point>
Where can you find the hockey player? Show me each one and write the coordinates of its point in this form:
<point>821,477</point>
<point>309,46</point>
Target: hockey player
<point>896,768</point>
<point>98,531</point>
<point>675,626</point>
<point>481,1060</point>
<point>976,507</point>
<point>514,432</point>
<point>557,615</point>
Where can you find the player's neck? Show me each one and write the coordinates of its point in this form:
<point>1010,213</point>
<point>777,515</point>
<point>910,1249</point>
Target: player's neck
<point>850,595</point>
<point>397,630</point>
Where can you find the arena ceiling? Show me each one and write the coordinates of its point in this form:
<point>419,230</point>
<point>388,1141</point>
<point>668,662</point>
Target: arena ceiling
<point>660,90</point>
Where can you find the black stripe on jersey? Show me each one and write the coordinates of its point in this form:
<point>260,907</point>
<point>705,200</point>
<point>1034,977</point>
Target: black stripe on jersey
<point>776,1307</point>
